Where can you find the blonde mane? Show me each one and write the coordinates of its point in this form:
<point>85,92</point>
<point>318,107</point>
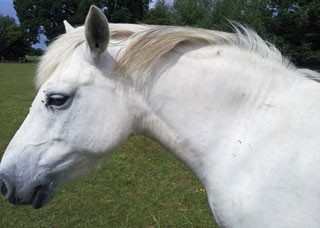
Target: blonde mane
<point>148,46</point>
<point>145,45</point>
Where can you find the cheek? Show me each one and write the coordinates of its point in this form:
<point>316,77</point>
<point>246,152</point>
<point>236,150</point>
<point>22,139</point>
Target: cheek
<point>81,124</point>
<point>88,130</point>
<point>99,129</point>
<point>95,122</point>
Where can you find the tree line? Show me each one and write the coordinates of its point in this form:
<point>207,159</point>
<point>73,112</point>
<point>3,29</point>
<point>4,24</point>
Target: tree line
<point>292,25</point>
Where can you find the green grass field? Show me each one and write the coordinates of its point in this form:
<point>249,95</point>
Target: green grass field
<point>140,185</point>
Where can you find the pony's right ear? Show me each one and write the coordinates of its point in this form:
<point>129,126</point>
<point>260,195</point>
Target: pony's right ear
<point>67,26</point>
<point>97,31</point>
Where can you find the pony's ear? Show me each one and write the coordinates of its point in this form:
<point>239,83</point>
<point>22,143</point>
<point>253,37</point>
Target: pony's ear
<point>67,26</point>
<point>97,31</point>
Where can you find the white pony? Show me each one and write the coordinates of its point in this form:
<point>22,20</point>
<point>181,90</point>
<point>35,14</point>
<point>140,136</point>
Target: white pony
<point>244,119</point>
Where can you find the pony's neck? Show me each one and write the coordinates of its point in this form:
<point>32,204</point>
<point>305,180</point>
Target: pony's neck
<point>220,92</point>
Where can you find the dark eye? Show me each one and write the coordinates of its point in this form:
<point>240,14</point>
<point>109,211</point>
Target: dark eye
<point>56,100</point>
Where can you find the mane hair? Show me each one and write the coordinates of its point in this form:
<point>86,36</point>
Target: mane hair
<point>314,75</point>
<point>148,46</point>
<point>145,45</point>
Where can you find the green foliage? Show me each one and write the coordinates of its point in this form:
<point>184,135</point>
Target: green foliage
<point>159,15</point>
<point>296,25</point>
<point>35,52</point>
<point>193,12</point>
<point>125,10</point>
<point>254,14</point>
<point>46,17</point>
<point>12,41</point>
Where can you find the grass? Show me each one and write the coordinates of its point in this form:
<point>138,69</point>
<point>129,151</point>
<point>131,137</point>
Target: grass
<point>140,185</point>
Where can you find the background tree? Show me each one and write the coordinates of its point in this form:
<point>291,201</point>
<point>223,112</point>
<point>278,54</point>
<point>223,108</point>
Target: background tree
<point>296,28</point>
<point>254,14</point>
<point>46,17</point>
<point>160,14</point>
<point>193,12</point>
<point>125,10</point>
<point>12,41</point>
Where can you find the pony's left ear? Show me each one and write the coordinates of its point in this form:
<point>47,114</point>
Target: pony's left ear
<point>97,31</point>
<point>67,26</point>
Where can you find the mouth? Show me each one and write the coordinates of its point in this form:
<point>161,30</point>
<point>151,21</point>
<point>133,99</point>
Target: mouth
<point>41,196</point>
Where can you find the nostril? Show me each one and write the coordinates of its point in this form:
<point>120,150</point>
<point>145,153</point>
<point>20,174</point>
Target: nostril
<point>4,189</point>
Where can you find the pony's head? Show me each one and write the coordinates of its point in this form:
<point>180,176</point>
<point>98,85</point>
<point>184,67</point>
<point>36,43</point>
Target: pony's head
<point>79,112</point>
